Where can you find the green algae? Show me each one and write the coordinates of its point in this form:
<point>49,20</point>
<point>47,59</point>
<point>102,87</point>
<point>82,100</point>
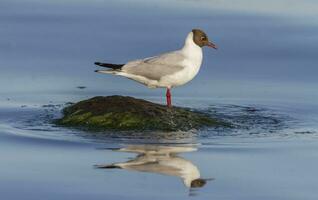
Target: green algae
<point>127,113</point>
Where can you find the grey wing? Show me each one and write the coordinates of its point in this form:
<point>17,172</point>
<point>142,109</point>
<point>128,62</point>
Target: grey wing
<point>155,68</point>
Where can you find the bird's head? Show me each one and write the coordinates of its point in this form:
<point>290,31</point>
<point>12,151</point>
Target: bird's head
<point>201,39</point>
<point>197,183</point>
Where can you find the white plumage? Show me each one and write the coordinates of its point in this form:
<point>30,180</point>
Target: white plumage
<point>167,70</point>
<point>161,160</point>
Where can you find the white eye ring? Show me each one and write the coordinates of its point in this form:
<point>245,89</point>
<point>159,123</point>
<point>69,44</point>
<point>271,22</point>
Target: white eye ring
<point>203,38</point>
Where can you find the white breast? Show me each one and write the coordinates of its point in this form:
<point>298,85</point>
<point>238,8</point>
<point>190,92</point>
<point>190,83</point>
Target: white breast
<point>192,63</point>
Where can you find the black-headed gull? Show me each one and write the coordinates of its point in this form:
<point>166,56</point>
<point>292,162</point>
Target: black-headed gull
<point>167,70</point>
<point>161,160</point>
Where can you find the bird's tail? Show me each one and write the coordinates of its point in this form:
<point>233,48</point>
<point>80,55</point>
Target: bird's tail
<point>110,71</point>
<point>109,65</point>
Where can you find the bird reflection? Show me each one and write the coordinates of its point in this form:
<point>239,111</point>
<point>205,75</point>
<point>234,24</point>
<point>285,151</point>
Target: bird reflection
<point>161,160</point>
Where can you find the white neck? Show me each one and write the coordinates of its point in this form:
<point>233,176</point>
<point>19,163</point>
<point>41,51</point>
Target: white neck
<point>189,43</point>
<point>192,51</point>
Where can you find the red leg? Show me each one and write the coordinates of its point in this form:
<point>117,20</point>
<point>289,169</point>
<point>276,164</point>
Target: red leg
<point>168,95</point>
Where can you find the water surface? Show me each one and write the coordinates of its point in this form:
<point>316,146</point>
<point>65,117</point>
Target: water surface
<point>271,154</point>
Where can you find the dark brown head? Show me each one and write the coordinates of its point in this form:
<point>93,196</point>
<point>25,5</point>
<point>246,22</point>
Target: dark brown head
<point>201,39</point>
<point>197,183</point>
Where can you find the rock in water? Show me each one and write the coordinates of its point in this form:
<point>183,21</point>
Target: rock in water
<point>128,113</point>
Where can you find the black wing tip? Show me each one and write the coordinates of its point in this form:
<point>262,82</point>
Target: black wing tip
<point>107,167</point>
<point>109,65</point>
<point>112,149</point>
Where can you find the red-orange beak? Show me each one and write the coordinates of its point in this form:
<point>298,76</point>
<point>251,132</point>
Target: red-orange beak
<point>211,45</point>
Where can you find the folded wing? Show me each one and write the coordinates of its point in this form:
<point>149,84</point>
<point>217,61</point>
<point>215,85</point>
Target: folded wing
<point>155,68</point>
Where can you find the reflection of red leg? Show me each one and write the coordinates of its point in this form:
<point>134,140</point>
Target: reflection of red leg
<point>168,95</point>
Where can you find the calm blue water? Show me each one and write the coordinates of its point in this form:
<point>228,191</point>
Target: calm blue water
<point>265,47</point>
<point>263,78</point>
<point>271,155</point>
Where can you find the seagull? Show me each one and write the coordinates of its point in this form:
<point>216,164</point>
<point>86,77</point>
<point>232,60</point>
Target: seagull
<point>161,160</point>
<point>167,70</point>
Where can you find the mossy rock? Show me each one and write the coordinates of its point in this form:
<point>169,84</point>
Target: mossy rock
<point>128,113</point>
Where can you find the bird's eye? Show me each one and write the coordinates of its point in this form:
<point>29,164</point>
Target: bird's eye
<point>203,38</point>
